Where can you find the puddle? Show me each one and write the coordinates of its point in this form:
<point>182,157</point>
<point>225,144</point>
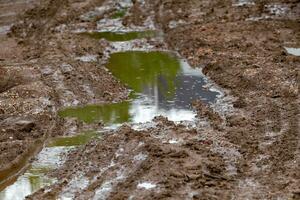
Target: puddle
<point>293,51</point>
<point>26,184</point>
<point>73,141</point>
<point>35,177</point>
<point>110,114</point>
<point>121,36</point>
<point>51,157</point>
<point>162,84</point>
<point>119,13</point>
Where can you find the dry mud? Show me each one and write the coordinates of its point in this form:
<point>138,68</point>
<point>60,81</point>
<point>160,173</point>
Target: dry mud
<point>251,152</point>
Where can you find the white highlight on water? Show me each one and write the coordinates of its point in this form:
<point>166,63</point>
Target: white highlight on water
<point>146,185</point>
<point>293,51</point>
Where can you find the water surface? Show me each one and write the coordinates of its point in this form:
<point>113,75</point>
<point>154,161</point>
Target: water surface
<point>50,158</point>
<point>73,140</point>
<point>162,84</point>
<point>121,36</point>
<point>293,51</point>
<point>31,181</point>
<point>119,13</point>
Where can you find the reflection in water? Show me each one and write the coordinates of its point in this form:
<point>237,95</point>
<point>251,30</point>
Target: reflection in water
<point>74,140</point>
<point>34,178</point>
<point>48,159</point>
<point>119,13</point>
<point>121,36</point>
<point>163,85</point>
<point>293,51</point>
<point>110,113</point>
<point>26,184</point>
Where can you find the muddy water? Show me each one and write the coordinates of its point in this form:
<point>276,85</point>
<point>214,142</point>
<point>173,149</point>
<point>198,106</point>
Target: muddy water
<point>121,36</point>
<point>119,13</point>
<point>293,51</point>
<point>162,84</point>
<point>26,184</point>
<point>51,157</point>
<point>73,141</point>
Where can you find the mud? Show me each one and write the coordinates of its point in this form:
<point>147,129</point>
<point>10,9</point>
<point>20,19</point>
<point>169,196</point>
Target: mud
<point>126,158</point>
<point>161,84</point>
<point>41,73</point>
<point>250,151</point>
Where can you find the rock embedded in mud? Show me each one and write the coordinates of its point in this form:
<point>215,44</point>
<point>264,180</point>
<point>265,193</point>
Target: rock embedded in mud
<point>236,120</point>
<point>26,126</point>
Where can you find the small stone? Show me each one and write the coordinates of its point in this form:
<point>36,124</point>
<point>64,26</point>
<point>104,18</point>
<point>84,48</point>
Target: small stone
<point>25,125</point>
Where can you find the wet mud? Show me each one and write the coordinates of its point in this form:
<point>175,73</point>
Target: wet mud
<point>242,144</point>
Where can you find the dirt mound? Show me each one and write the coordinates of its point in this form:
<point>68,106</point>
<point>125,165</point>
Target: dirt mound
<point>43,70</point>
<point>123,160</point>
<point>250,153</point>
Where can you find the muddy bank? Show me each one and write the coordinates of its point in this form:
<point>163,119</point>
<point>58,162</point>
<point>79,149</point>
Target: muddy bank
<point>172,159</point>
<point>43,70</point>
<point>240,47</point>
<point>251,152</point>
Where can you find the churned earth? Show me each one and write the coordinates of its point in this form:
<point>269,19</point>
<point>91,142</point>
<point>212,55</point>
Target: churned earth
<point>243,146</point>
<point>42,70</point>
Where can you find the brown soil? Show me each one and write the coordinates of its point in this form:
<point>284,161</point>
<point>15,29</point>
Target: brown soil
<point>40,74</point>
<point>248,59</point>
<point>177,169</point>
<point>252,153</point>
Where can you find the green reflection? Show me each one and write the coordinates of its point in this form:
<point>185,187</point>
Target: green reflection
<point>36,182</point>
<point>140,70</point>
<point>38,170</point>
<point>37,179</point>
<point>116,113</point>
<point>121,36</point>
<point>73,141</point>
<point>119,14</point>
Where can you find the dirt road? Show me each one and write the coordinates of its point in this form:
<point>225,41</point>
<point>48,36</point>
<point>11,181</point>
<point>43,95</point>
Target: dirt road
<point>245,148</point>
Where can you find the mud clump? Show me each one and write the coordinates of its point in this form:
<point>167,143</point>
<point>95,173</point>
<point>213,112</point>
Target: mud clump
<point>41,73</point>
<point>127,157</point>
<point>251,152</point>
<point>239,49</point>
